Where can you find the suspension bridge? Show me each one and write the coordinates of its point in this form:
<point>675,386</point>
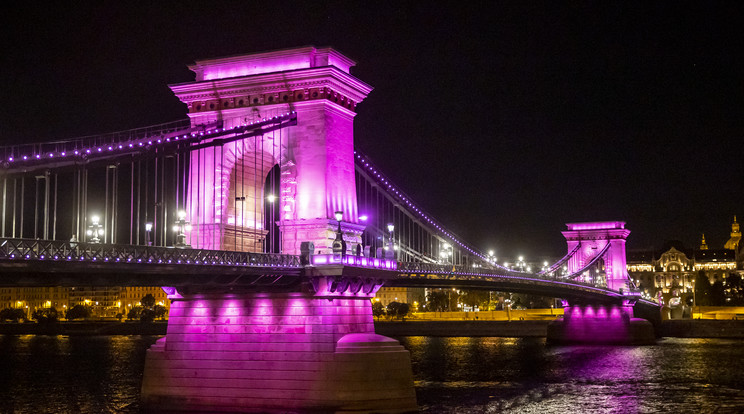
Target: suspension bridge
<point>270,233</point>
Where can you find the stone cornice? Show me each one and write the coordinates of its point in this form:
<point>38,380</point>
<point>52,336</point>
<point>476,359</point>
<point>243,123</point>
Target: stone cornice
<point>328,76</point>
<point>271,61</point>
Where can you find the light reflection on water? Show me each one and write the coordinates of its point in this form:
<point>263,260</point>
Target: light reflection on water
<point>475,375</point>
<point>102,374</point>
<point>76,374</point>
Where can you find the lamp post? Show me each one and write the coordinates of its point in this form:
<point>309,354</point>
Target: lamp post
<point>338,244</point>
<point>180,227</point>
<point>520,264</point>
<point>148,235</point>
<point>446,253</point>
<point>390,253</point>
<point>491,258</point>
<point>95,229</point>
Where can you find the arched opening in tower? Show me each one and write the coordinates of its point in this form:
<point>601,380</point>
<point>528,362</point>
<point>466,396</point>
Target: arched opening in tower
<point>252,204</point>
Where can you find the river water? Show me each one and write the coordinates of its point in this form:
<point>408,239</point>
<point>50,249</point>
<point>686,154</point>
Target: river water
<point>102,374</point>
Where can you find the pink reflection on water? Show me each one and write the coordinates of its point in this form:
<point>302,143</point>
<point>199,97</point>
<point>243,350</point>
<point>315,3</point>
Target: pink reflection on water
<point>585,324</point>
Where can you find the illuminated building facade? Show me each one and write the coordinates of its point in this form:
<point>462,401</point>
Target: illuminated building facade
<point>30,299</point>
<point>411,296</point>
<point>105,302</point>
<point>130,297</point>
<point>672,271</point>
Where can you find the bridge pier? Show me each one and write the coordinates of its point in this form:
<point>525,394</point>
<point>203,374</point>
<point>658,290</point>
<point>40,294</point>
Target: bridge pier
<point>605,324</point>
<point>276,352</point>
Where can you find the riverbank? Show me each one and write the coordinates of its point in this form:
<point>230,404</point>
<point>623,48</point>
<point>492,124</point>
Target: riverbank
<point>679,328</point>
<point>85,328</point>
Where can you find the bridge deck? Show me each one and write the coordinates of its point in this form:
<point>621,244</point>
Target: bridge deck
<point>30,262</point>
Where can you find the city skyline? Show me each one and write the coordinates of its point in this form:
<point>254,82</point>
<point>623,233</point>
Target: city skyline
<point>503,121</point>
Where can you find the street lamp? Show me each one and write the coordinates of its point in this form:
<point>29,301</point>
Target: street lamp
<point>180,227</point>
<point>521,264</point>
<point>339,248</point>
<point>95,229</point>
<point>446,253</point>
<point>148,231</point>
<point>390,253</point>
<point>491,258</point>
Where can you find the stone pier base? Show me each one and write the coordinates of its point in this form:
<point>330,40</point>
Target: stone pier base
<point>600,325</point>
<point>278,352</point>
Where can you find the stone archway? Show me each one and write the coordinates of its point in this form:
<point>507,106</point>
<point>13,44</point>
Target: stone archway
<point>227,193</point>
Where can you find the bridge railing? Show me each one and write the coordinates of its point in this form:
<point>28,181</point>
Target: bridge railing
<point>33,249</point>
<point>438,268</point>
<point>354,261</point>
<point>469,272</point>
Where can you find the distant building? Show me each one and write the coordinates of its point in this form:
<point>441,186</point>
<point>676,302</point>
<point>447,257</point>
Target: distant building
<point>411,296</point>
<point>130,297</point>
<point>104,301</point>
<point>673,269</point>
<point>733,242</point>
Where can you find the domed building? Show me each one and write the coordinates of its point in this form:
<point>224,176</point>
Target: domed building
<point>672,271</point>
<point>733,242</point>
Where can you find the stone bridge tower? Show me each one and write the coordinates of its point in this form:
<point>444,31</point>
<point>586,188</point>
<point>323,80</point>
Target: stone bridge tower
<point>315,157</point>
<point>591,239</point>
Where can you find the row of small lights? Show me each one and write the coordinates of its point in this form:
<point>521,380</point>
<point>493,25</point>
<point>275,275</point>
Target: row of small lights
<point>140,143</point>
<point>562,281</point>
<point>106,259</point>
<point>412,206</point>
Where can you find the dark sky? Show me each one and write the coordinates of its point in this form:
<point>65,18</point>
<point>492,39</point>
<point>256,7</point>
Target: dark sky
<point>504,120</point>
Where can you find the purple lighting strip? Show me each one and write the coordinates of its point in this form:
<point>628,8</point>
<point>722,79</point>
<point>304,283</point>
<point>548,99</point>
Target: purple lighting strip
<point>354,261</point>
<point>208,131</point>
<point>32,249</point>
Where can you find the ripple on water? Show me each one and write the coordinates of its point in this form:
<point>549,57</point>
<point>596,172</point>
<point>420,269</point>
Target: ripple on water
<point>526,376</point>
<point>102,374</point>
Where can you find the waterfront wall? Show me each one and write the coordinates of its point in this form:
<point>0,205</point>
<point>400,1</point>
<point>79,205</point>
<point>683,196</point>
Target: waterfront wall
<point>84,328</point>
<point>462,328</point>
<point>683,328</point>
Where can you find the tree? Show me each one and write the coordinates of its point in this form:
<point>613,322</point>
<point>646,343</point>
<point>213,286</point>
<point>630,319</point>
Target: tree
<point>733,289</point>
<point>160,311</point>
<point>398,310</point>
<point>531,301</point>
<point>377,309</point>
<point>148,301</point>
<point>134,313</point>
<point>147,315</point>
<point>10,314</point>
<point>79,312</point>
<point>436,301</point>
<point>479,298</point>
<point>717,296</point>
<point>46,315</point>
<point>702,289</point>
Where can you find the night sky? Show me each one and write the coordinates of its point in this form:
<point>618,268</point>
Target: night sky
<point>504,120</point>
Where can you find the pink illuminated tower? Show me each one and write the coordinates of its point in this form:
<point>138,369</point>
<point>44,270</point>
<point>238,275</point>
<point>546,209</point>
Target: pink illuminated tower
<point>315,157</point>
<point>611,322</point>
<point>309,345</point>
<point>591,239</point>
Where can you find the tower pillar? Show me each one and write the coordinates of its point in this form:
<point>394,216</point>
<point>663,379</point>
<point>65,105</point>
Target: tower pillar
<point>591,238</point>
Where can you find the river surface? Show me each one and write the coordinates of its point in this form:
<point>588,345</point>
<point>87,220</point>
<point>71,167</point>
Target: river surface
<point>102,374</point>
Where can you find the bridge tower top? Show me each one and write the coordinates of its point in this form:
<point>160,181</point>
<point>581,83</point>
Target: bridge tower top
<point>591,238</point>
<point>315,157</point>
<point>269,62</point>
